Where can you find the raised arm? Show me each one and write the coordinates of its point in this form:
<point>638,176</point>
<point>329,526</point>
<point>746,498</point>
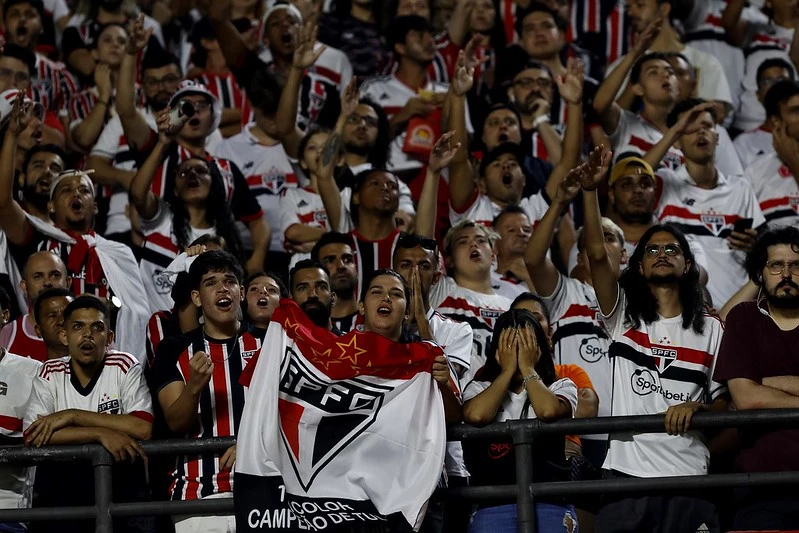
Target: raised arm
<point>735,28</point>
<point>88,130</point>
<point>570,88</point>
<point>542,271</point>
<point>440,158</point>
<point>230,42</point>
<point>602,273</point>
<point>685,125</point>
<point>12,217</point>
<point>137,132</point>
<point>605,99</point>
<point>304,57</point>
<point>461,181</point>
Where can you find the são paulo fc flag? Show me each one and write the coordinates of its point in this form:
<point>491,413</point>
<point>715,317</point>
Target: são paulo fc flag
<point>337,432</point>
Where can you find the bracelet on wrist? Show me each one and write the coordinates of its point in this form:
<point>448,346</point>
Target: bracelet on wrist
<point>540,120</point>
<point>532,377</point>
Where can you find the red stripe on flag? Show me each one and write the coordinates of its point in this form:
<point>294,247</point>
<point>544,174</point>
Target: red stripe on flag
<point>290,415</point>
<point>10,423</point>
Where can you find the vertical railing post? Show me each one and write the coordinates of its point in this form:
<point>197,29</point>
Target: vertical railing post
<point>103,489</point>
<point>522,436</point>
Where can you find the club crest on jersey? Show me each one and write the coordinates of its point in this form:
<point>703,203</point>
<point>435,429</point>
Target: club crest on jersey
<point>3,388</point>
<point>489,316</point>
<point>664,356</point>
<point>108,405</point>
<point>714,222</point>
<point>331,415</point>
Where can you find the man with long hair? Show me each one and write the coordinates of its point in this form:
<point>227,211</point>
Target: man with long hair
<point>663,355</point>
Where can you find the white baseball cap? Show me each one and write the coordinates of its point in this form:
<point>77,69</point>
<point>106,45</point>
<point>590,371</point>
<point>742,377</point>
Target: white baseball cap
<point>188,87</point>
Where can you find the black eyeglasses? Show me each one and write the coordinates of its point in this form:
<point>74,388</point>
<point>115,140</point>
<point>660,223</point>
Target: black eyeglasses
<point>411,240</point>
<point>653,250</point>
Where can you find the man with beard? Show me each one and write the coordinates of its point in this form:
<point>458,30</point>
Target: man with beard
<point>48,311</point>
<point>309,284</point>
<point>664,350</point>
<point>40,165</point>
<point>53,85</point>
<point>42,271</point>
<point>334,252</point>
<point>758,361</point>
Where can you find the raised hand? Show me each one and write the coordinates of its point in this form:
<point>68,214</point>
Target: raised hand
<point>529,351</point>
<point>647,37</point>
<point>595,169</point>
<point>418,313</point>
<point>443,152</point>
<point>21,114</point>
<point>217,10</point>
<point>166,130</point>
<point>351,98</point>
<point>201,368</point>
<point>463,80</point>
<point>507,351</point>
<point>471,51</point>
<point>102,80</point>
<point>304,54</point>
<point>687,124</point>
<point>570,85</point>
<point>138,36</point>
<point>570,186</point>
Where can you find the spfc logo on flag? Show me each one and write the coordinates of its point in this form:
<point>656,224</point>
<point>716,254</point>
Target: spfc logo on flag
<point>319,418</point>
<point>664,357</point>
<point>715,223</point>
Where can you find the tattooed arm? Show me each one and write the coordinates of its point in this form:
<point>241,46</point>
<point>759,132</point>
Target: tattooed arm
<point>328,190</point>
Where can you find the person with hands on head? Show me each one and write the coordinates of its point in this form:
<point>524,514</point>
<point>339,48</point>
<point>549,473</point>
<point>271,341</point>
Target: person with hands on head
<point>653,313</point>
<point>94,395</point>
<point>518,381</point>
<point>688,194</point>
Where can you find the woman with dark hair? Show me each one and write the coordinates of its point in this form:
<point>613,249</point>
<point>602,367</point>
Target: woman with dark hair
<point>262,293</point>
<point>518,381</point>
<point>197,208</point>
<point>384,300</point>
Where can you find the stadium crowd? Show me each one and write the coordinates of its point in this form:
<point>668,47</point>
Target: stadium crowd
<point>570,197</point>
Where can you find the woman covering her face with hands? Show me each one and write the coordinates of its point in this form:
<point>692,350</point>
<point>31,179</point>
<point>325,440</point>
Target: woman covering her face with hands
<point>518,381</point>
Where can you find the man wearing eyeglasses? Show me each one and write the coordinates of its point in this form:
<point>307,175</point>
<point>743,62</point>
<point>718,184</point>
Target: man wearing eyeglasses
<point>758,361</point>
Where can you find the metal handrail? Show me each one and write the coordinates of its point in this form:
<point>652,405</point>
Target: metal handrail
<point>521,432</point>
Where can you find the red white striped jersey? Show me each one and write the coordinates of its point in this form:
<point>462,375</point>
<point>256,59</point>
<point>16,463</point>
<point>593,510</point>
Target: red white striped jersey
<point>268,173</point>
<point>16,382</point>
<point>83,102</point>
<point>229,93</point>
<point>483,211</point>
<point>477,310</point>
<point>709,215</point>
<point>20,338</point>
<point>373,255</point>
<point>221,405</point>
<point>776,190</point>
<point>301,206</point>
<point>657,366</point>
<point>53,84</point>
<point>636,136</point>
<point>117,389</point>
<point>162,324</point>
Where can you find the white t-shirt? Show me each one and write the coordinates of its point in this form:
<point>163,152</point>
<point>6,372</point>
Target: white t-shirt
<point>656,366</point>
<point>390,93</point>
<point>753,144</point>
<point>120,389</point>
<point>268,172</point>
<point>709,215</point>
<point>301,206</point>
<point>16,382</point>
<point>483,210</point>
<point>509,288</point>
<point>514,404</point>
<point>637,135</point>
<point>475,309</point>
<point>776,189</point>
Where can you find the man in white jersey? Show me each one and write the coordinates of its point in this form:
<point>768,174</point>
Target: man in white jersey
<point>775,177</point>
<point>94,395</point>
<point>703,202</point>
<point>468,296</point>
<point>514,229</point>
<point>578,336</point>
<point>663,356</point>
<point>16,382</point>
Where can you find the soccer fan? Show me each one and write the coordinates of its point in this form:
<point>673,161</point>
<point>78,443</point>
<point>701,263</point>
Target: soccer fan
<point>702,201</point>
<point>760,39</point>
<point>754,143</point>
<point>29,136</point>
<point>757,362</point>
<point>48,311</point>
<point>42,271</point>
<point>309,285</point>
<point>52,84</point>
<point>353,27</point>
<point>196,382</point>
<point>775,177</point>
<point>17,375</point>
<point>38,168</point>
<point>664,350</point>
<point>170,227</point>
<point>94,395</point>
<point>262,294</point>
<point>334,251</point>
<point>96,265</point>
<point>514,229</point>
<point>519,381</point>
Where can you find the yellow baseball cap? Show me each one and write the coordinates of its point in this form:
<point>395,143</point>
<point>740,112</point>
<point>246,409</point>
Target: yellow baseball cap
<point>630,165</point>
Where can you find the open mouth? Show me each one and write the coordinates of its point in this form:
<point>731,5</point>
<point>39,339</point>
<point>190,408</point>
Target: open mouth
<point>507,178</point>
<point>666,86</point>
<point>384,310</point>
<point>287,38</point>
<point>474,255</point>
<point>86,346</point>
<point>503,137</point>
<point>262,303</point>
<point>702,144</point>
<point>22,31</point>
<point>193,183</point>
<point>76,206</point>
<point>37,135</point>
<point>224,303</point>
<point>194,122</point>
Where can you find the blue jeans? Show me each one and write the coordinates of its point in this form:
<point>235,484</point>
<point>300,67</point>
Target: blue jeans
<point>503,519</point>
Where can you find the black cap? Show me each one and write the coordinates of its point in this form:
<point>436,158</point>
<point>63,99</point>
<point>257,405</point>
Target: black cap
<point>38,5</point>
<point>503,148</point>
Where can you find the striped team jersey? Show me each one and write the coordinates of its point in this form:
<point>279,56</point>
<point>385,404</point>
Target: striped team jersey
<point>656,366</point>
<point>82,103</point>
<point>776,189</point>
<point>161,325</point>
<point>483,210</point>
<point>220,408</point>
<point>579,337</point>
<point>20,338</point>
<point>709,216</point>
<point>17,375</point>
<point>373,255</point>
<point>301,206</point>
<point>636,135</point>
<point>347,323</point>
<point>53,84</point>
<point>118,388</point>
<point>268,173</point>
<point>477,310</point>
<point>443,64</point>
<point>229,93</point>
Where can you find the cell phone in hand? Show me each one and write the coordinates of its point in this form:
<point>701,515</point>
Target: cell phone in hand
<point>742,225</point>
